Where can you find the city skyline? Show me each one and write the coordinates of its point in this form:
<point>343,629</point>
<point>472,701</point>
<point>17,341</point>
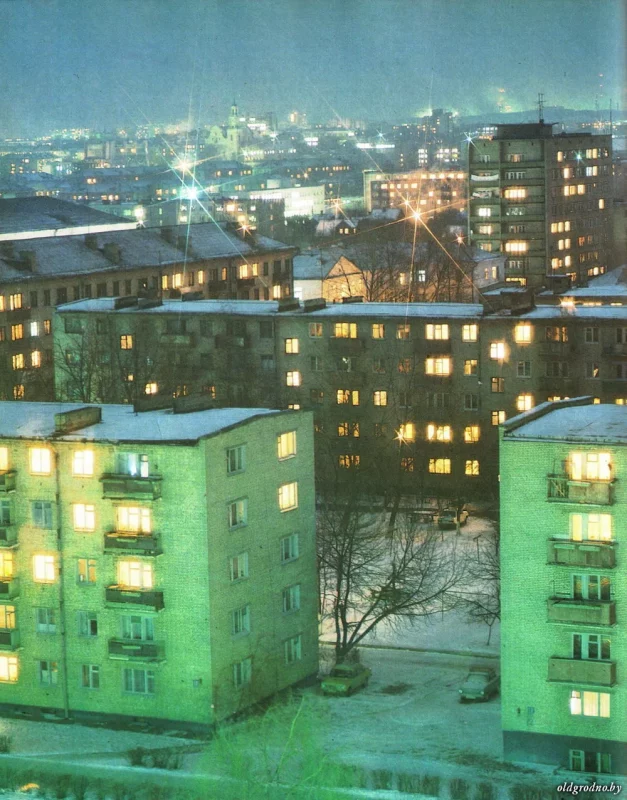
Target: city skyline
<point>118,63</point>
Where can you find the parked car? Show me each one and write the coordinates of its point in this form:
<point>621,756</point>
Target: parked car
<point>481,684</point>
<point>449,517</point>
<point>344,679</point>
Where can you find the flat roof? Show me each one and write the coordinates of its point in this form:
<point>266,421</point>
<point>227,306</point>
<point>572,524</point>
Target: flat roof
<point>563,421</point>
<point>20,215</point>
<point>120,423</point>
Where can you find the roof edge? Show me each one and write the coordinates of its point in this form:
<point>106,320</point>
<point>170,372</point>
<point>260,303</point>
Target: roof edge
<point>542,410</point>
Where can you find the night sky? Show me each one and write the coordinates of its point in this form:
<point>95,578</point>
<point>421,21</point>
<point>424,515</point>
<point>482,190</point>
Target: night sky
<point>106,63</point>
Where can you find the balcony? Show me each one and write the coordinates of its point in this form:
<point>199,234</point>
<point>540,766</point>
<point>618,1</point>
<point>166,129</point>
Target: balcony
<point>619,350</point>
<point>148,598</point>
<point>9,589</point>
<point>130,487</point>
<point>581,612</point>
<point>9,638</point>
<point>346,380</point>
<point>7,481</point>
<point>133,650</point>
<point>577,670</point>
<point>346,347</point>
<point>146,544</point>
<point>561,489</point>
<point>582,554</point>
<point>178,339</point>
<point>8,536</point>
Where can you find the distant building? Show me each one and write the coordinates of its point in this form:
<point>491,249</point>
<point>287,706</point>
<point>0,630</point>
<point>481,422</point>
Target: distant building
<point>563,469</point>
<point>419,190</point>
<point>157,566</point>
<point>544,200</point>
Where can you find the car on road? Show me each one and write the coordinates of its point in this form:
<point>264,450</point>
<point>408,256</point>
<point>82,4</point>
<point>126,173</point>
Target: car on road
<point>481,684</point>
<point>449,517</point>
<point>344,679</point>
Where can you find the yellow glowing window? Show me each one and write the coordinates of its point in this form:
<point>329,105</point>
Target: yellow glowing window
<point>524,402</point>
<point>292,346</point>
<point>8,669</point>
<point>135,574</point>
<point>436,332</point>
<point>288,496</point>
<point>164,281</point>
<point>438,366</point>
<point>470,332</point>
<point>516,247</point>
<point>293,378</point>
<point>177,280</point>
<point>347,397</point>
<point>345,330</point>
<point>471,434</point>
<point>348,461</point>
<point>378,330</point>
<point>593,527</point>
<point>6,564</point>
<point>439,433</point>
<point>497,351</point>
<point>83,462</point>
<point>15,301</point>
<point>440,466</point>
<point>126,342</point>
<point>515,194</point>
<point>522,333</point>
<point>590,466</point>
<point>403,331</point>
<point>471,467</point>
<point>84,517</point>
<point>35,358</point>
<point>470,366</point>
<point>4,459</point>
<point>43,568</point>
<point>498,417</point>
<point>286,445</point>
<point>380,398</point>
<point>18,361</point>
<point>17,332</point>
<point>601,203</point>
<point>134,519</point>
<point>276,291</point>
<point>151,388</point>
<point>40,460</point>
<point>407,432</point>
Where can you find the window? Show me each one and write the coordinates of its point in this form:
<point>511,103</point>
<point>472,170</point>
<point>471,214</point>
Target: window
<point>293,649</point>
<point>348,429</point>
<point>83,462</point>
<point>242,672</point>
<point>315,330</point>
<point>471,434</point>
<point>44,569</point>
<point>588,761</point>
<point>126,342</point>
<point>484,211</point>
<point>345,330</point>
<point>17,332</point>
<point>17,361</point>
<point>238,566</point>
<point>498,418</point>
<point>347,397</point>
<point>86,570</point>
<point>316,363</point>
<point>380,398</point>
<point>84,517</point>
<point>592,527</point>
<point>293,378</point>
<point>8,669</point>
<point>136,680</point>
<point>15,301</point>
<point>47,327</point>
<point>40,459</point>
<point>135,574</point>
<point>235,459</point>
<point>516,247</point>
<point>497,385</point>
<point>48,673</point>
<point>525,402</point>
<point>6,564</point>
<point>589,704</point>
<point>439,433</point>
<point>591,646</point>
<point>292,346</point>
<point>407,432</point>
<point>45,620</point>
<point>471,402</point>
<point>41,513</point>
<point>286,445</point>
<point>90,676</point>
<point>403,331</point>
<point>289,548</point>
<point>134,464</point>
<point>590,466</point>
<point>471,467</point>
<point>133,519</point>
<point>87,623</point>
<point>497,351</point>
<point>238,513</point>
<point>4,459</point>
<point>379,365</point>
<point>591,335</point>
<point>240,621</point>
<point>523,333</point>
<point>436,332</point>
<point>7,617</point>
<point>470,366</point>
<point>288,496</point>
<point>151,388</point>
<point>523,369</point>
<point>291,598</point>
<point>440,466</point>
<point>591,587</point>
<point>378,330</point>
<point>438,366</point>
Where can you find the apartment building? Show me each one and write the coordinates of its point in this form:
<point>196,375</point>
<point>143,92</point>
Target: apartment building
<point>418,387</point>
<point>563,584</point>
<point>201,260</point>
<point>156,565</point>
<point>544,200</point>
<point>418,190</point>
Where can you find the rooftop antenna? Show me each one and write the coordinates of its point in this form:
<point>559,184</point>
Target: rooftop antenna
<point>541,107</point>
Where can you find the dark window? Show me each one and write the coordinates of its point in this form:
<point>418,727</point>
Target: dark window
<point>116,288</point>
<point>128,289</point>
<point>206,327</point>
<point>76,292</point>
<point>47,299</point>
<point>266,267</point>
<point>265,329</point>
<point>87,290</point>
<point>61,296</point>
<point>34,299</point>
<point>176,326</point>
<point>101,290</point>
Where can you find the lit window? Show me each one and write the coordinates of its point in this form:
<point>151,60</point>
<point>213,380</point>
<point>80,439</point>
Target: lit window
<point>516,247</point>
<point>15,302</point>
<point>237,513</point>
<point>403,331</point>
<point>293,649</point>
<point>591,527</point>
<point>4,459</point>
<point>380,398</point>
<point>17,361</point>
<point>438,366</point>
<point>86,570</point>
<point>151,388</point>
<point>590,704</point>
<point>292,346</point>
<point>126,342</point>
<point>133,519</point>
<point>84,517</point>
<point>83,462</point>
<point>347,397</point>
<point>515,194</point>
<point>497,351</point>
<point>470,366</point>
<point>8,669</point>
<point>43,569</point>
<point>601,203</point>
<point>345,330</point>
<point>17,332</point>
<point>177,280</point>
<point>484,212</point>
<point>240,620</point>
<point>238,567</point>
<point>242,672</point>
<point>135,574</point>
<point>525,402</point>
<point>436,332</point>
<point>286,445</point>
<point>288,496</point>
<point>40,461</point>
<point>378,330</point>
<point>471,467</point>
<point>440,466</point>
<point>522,333</point>
<point>471,434</point>
<point>164,281</point>
<point>498,418</point>
<point>407,432</point>
<point>470,332</point>
<point>315,330</point>
<point>590,466</point>
<point>293,378</point>
<point>439,433</point>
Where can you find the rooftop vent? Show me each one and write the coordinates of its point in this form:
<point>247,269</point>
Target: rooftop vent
<point>188,297</point>
<point>314,304</point>
<point>193,402</point>
<point>289,304</point>
<point>112,252</point>
<point>74,420</point>
<point>152,402</point>
<point>124,302</point>
<point>356,299</point>
<point>91,241</point>
<point>169,234</point>
<point>149,302</point>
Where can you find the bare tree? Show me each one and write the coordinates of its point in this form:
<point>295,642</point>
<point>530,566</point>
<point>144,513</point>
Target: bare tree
<point>372,572</point>
<point>484,601</point>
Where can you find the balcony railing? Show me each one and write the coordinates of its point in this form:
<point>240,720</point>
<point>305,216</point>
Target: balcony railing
<point>8,536</point>
<point>9,638</point>
<point>140,597</point>
<point>7,481</point>
<point>9,589</point>
<point>577,670</point>
<point>147,544</point>
<point>131,649</point>
<point>130,487</point>
<point>582,554</point>
<point>561,489</point>
<point>581,612</point>
<point>346,347</point>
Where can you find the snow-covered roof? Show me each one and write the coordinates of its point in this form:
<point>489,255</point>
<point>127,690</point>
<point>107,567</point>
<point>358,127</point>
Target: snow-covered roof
<point>564,421</point>
<point>120,423</point>
<point>576,312</point>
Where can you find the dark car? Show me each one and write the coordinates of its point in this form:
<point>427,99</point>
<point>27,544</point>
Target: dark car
<point>344,679</point>
<point>481,684</point>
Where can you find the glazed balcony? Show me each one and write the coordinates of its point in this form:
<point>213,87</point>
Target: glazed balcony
<point>130,487</point>
<point>9,638</point>
<point>578,670</point>
<point>581,612</point>
<point>8,536</point>
<point>9,589</point>
<point>561,489</point>
<point>567,552</point>
<point>134,650</point>
<point>145,544</point>
<point>126,595</point>
<point>7,481</point>
<point>346,347</point>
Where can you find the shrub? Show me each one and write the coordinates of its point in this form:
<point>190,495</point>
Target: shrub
<point>430,785</point>
<point>459,789</point>
<point>382,779</point>
<point>137,756</point>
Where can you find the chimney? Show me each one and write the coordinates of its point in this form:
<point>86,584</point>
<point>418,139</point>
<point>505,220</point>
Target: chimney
<point>169,234</point>
<point>112,252</point>
<point>76,419</point>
